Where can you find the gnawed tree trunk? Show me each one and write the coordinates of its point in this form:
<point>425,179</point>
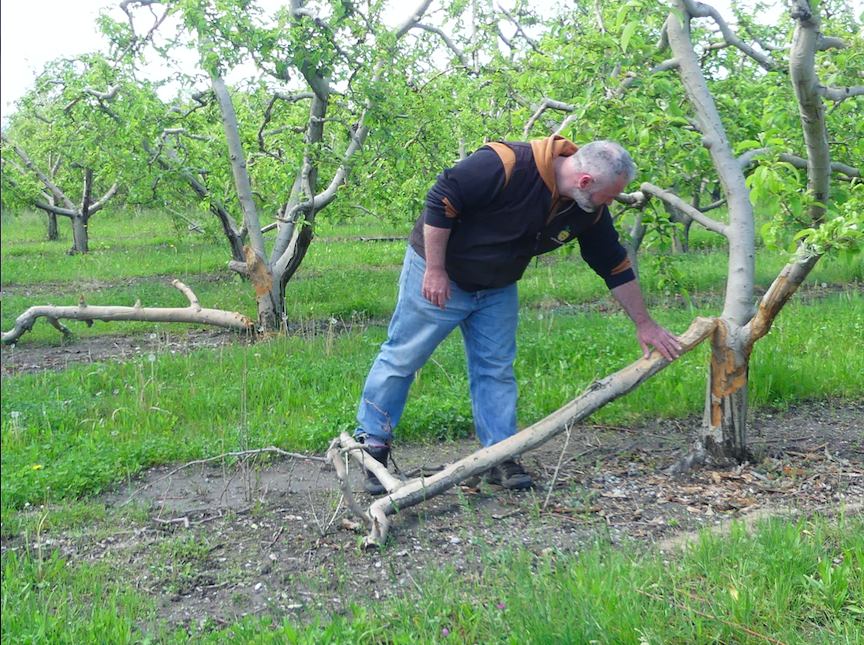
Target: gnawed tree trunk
<point>404,494</point>
<point>194,313</point>
<point>724,432</point>
<point>257,265</point>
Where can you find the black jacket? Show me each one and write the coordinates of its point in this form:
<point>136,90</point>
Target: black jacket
<point>501,215</point>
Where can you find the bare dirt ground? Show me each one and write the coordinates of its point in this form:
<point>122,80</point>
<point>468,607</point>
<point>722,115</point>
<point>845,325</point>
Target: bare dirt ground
<point>214,542</point>
<point>267,535</point>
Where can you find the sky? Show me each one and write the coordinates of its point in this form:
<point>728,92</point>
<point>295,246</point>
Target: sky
<point>37,31</point>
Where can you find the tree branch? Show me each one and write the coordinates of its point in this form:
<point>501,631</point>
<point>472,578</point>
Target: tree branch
<point>545,104</point>
<point>194,313</point>
<point>837,94</point>
<point>447,41</point>
<point>59,195</point>
<point>403,495</point>
<point>103,96</point>
<point>675,201</point>
<point>699,10</point>
<point>749,158</point>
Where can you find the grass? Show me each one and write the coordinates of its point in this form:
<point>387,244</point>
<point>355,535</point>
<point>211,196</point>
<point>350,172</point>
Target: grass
<point>798,582</point>
<point>69,435</point>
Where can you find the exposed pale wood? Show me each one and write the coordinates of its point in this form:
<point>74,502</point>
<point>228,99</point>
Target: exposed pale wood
<point>194,313</point>
<point>403,495</point>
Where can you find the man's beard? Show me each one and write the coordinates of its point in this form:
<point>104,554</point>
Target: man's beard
<point>583,200</point>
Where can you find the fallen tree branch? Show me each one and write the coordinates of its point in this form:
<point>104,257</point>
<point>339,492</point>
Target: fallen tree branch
<point>405,494</point>
<point>194,314</point>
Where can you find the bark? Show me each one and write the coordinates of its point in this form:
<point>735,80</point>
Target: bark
<point>80,240</point>
<point>724,428</point>
<point>405,494</point>
<point>194,313</point>
<point>268,310</point>
<point>53,233</point>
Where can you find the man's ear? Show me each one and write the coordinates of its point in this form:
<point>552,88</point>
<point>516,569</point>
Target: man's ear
<point>585,181</point>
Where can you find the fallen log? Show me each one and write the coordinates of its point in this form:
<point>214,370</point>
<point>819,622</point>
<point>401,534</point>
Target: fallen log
<point>194,313</point>
<point>403,494</point>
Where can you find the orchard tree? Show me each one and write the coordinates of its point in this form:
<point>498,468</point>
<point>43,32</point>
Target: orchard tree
<point>74,142</point>
<point>332,59</point>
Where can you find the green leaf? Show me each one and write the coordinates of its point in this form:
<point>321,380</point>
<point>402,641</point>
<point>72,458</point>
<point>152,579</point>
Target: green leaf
<point>627,34</point>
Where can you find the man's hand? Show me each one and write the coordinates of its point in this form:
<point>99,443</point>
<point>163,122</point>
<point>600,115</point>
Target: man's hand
<point>654,335</point>
<point>436,287</point>
<point>629,295</point>
<point>436,282</point>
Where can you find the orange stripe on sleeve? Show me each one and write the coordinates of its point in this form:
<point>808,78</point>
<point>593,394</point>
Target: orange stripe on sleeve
<point>622,266</point>
<point>449,211</point>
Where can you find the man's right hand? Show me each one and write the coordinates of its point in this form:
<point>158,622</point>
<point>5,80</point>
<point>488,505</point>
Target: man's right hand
<point>436,287</point>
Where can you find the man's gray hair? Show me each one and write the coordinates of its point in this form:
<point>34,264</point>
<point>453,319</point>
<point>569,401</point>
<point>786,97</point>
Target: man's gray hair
<point>605,161</point>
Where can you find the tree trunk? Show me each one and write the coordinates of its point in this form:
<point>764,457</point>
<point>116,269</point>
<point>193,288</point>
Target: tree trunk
<point>256,255</point>
<point>53,232</point>
<point>724,434</point>
<point>79,235</point>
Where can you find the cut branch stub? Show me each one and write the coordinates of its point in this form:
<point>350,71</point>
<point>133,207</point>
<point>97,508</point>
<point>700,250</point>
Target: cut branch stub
<point>405,494</point>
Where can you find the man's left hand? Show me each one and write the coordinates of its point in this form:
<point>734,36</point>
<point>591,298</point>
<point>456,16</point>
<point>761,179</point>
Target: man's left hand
<point>650,334</point>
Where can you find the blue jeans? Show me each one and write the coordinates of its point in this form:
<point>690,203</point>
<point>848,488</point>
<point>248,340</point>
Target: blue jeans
<point>488,320</point>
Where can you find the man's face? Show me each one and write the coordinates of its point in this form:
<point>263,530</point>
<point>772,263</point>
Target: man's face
<point>590,196</point>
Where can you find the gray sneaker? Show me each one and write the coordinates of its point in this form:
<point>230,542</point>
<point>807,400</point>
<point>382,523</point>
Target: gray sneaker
<point>509,474</point>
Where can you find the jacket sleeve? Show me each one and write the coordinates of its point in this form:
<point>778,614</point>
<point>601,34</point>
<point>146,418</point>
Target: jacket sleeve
<point>474,181</point>
<point>604,253</point>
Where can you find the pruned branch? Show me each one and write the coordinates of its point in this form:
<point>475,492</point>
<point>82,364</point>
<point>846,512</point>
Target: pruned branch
<point>404,494</point>
<point>194,313</point>
<point>676,202</point>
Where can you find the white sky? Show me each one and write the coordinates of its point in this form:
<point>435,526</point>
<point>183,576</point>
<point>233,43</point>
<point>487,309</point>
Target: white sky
<point>37,31</point>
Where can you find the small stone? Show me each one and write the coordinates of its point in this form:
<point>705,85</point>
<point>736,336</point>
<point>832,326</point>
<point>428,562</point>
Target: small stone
<point>455,540</point>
